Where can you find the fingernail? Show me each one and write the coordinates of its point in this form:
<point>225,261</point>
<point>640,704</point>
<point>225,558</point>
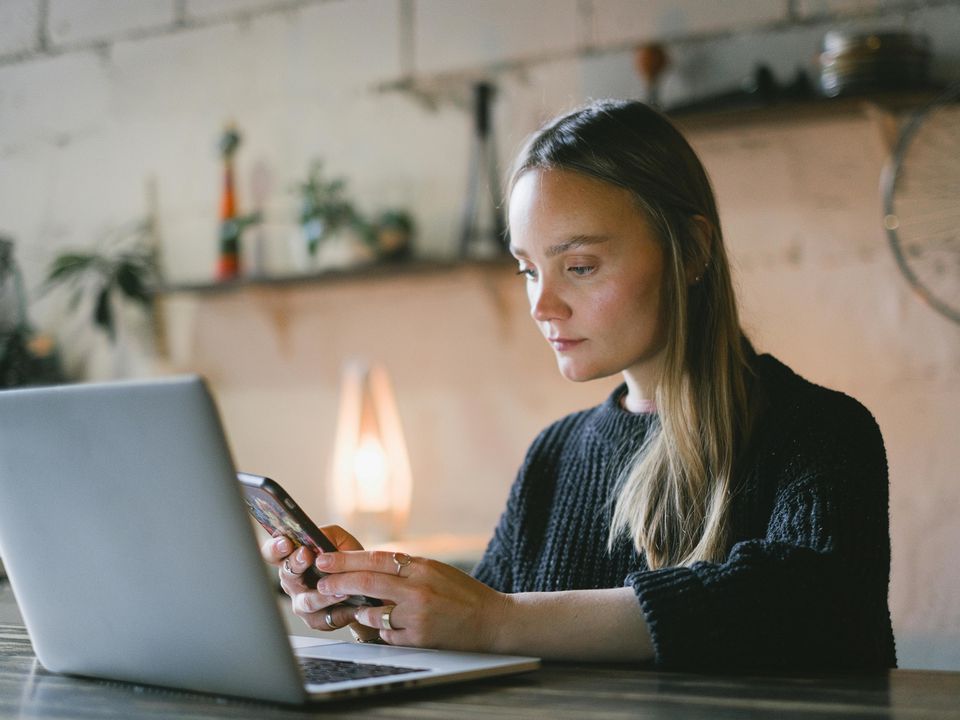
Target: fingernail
<point>339,596</point>
<point>323,561</point>
<point>283,545</point>
<point>302,554</point>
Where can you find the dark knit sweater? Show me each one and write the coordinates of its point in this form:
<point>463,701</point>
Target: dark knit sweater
<point>804,586</point>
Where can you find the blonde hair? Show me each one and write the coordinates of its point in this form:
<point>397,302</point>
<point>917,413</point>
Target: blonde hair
<point>673,495</point>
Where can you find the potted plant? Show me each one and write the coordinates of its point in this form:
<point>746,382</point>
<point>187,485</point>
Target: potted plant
<point>394,235</point>
<point>103,282</point>
<point>329,218</point>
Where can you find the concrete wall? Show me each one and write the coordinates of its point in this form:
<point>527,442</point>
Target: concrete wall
<point>102,99</point>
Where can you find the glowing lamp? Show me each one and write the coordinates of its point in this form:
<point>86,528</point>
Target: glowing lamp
<point>370,483</point>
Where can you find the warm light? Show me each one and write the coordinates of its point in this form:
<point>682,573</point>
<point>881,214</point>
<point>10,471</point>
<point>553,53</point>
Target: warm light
<point>370,481</point>
<point>370,472</point>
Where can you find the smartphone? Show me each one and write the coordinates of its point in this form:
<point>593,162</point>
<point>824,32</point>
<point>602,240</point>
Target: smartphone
<point>278,514</point>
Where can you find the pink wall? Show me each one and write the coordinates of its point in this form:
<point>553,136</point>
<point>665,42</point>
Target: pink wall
<point>474,381</point>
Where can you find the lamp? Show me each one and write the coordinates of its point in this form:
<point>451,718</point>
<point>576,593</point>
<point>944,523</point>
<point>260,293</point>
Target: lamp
<point>370,483</point>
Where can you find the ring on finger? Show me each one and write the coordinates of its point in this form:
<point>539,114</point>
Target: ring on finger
<point>385,618</point>
<point>401,560</point>
<point>290,570</point>
<point>328,619</point>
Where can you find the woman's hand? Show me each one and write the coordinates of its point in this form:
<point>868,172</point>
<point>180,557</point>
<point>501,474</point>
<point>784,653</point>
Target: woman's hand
<point>435,605</point>
<point>432,604</point>
<point>309,605</point>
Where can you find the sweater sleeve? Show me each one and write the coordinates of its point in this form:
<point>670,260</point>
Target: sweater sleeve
<point>497,566</point>
<point>812,592</point>
<point>507,557</point>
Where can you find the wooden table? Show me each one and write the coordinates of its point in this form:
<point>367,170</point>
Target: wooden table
<point>559,690</point>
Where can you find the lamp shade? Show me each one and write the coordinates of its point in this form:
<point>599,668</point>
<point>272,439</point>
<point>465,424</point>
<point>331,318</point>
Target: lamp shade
<point>370,480</point>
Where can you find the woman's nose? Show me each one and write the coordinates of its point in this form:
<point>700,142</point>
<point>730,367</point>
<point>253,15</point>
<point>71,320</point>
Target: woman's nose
<point>546,303</point>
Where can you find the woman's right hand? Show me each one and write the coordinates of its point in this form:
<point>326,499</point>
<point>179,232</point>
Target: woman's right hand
<point>309,605</point>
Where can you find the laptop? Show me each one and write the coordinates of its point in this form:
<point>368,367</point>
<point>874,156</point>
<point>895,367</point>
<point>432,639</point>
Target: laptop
<point>132,557</point>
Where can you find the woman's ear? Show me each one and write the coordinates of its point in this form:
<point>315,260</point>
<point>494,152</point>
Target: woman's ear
<point>701,230</point>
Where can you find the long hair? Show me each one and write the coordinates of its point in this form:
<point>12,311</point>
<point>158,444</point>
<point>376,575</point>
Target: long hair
<point>673,495</point>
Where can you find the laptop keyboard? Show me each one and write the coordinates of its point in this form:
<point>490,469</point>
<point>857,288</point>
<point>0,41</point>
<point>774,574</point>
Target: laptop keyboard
<point>317,671</point>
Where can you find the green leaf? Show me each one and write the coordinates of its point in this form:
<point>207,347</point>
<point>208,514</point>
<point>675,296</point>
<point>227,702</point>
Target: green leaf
<point>244,221</point>
<point>129,278</point>
<point>103,313</point>
<point>68,265</point>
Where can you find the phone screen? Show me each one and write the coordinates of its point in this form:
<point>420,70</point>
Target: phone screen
<point>275,519</point>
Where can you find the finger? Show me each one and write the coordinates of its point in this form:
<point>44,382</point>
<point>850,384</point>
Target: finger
<point>381,561</point>
<point>331,617</point>
<point>292,569</point>
<point>385,618</point>
<point>341,538</point>
<point>371,584</point>
<point>363,634</point>
<point>318,621</point>
<point>276,549</point>
<point>370,620</point>
<point>343,616</point>
<point>312,602</point>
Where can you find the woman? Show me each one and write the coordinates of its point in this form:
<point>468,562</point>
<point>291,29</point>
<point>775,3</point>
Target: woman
<point>716,512</point>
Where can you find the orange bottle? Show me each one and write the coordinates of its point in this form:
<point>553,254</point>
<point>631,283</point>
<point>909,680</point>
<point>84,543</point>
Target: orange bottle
<point>228,262</point>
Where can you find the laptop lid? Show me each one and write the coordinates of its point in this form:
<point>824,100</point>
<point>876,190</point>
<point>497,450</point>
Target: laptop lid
<point>132,557</point>
<point>127,544</point>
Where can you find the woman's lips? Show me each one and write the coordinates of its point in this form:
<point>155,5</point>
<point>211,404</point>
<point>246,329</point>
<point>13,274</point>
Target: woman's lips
<point>563,344</point>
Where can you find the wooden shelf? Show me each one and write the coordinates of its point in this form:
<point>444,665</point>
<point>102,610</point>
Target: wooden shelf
<point>707,117</point>
<point>795,111</point>
<point>361,273</point>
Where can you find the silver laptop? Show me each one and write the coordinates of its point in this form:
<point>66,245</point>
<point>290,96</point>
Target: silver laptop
<point>132,557</point>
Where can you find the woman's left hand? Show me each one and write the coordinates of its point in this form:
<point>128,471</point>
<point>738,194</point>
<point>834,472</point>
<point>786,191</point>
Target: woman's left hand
<point>432,604</point>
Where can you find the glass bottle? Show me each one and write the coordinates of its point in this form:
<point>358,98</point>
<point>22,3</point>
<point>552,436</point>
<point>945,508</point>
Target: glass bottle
<point>483,232</point>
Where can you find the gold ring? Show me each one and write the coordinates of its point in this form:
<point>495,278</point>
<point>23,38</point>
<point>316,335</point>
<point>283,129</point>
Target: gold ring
<point>401,560</point>
<point>385,618</point>
<point>328,619</point>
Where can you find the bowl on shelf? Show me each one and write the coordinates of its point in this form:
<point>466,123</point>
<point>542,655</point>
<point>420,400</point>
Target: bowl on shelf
<point>853,63</point>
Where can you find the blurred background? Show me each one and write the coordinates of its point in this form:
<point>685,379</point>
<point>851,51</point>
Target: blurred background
<point>262,191</point>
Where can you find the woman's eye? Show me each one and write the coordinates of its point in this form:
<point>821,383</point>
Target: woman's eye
<point>526,271</point>
<point>581,270</point>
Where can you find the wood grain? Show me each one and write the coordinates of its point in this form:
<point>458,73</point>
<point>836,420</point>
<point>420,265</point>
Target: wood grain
<point>559,690</point>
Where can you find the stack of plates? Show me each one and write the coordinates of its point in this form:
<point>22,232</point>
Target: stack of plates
<point>855,63</point>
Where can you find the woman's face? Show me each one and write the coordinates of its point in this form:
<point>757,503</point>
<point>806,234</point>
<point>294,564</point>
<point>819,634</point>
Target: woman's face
<point>593,270</point>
